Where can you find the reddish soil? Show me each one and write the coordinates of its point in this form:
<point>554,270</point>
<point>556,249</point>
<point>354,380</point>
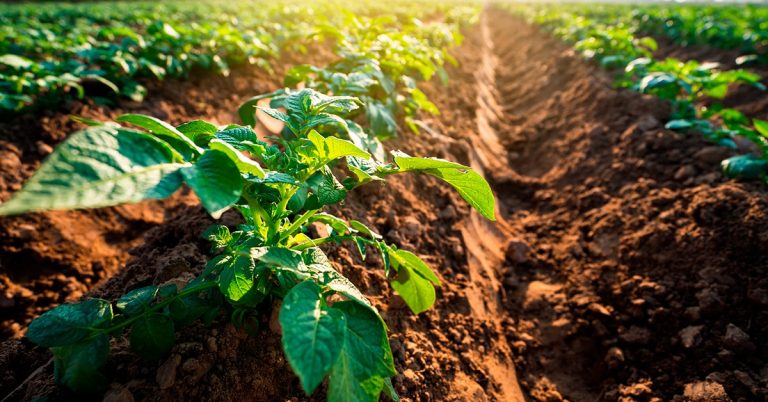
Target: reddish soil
<point>623,265</point>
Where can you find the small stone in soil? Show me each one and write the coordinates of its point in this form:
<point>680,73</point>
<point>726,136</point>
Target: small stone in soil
<point>44,149</point>
<point>166,373</point>
<point>737,340</point>
<point>448,213</point>
<point>691,336</point>
<point>712,154</point>
<point>709,301</point>
<point>705,391</point>
<point>518,251</point>
<point>636,334</point>
<point>118,393</point>
<point>614,358</point>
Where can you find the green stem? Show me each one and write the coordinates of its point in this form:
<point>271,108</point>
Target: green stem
<point>297,224</point>
<point>274,231</point>
<point>328,239</point>
<point>184,293</point>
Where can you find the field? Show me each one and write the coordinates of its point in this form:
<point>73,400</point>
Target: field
<point>359,201</point>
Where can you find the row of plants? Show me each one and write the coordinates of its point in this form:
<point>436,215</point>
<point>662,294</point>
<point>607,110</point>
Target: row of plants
<point>378,60</point>
<point>330,145</point>
<point>741,27</point>
<point>53,52</point>
<point>695,90</point>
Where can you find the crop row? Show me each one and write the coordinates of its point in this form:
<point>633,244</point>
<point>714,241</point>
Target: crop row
<point>53,52</point>
<point>695,90</point>
<point>278,186</point>
<point>738,27</point>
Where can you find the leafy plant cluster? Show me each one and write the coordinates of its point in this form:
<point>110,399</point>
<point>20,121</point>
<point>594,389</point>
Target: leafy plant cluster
<point>52,51</point>
<point>279,186</point>
<point>380,60</point>
<point>694,89</point>
<point>55,51</point>
<point>743,27</point>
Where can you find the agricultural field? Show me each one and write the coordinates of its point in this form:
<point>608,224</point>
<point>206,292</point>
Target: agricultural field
<point>405,200</point>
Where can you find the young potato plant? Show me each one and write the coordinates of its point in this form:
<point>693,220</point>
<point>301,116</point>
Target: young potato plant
<point>329,328</point>
<point>685,84</point>
<point>751,166</point>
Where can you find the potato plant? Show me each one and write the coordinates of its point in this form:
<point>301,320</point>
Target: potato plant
<point>329,328</point>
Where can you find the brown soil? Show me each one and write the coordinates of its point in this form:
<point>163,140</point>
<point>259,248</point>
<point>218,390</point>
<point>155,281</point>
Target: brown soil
<point>623,265</point>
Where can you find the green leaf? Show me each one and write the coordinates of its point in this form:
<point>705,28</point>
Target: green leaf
<point>407,258</point>
<point>745,167</point>
<point>364,140</point>
<point>313,334</point>
<point>331,148</point>
<point>199,131</point>
<point>678,124</point>
<point>278,256</point>
<point>186,310</point>
<point>70,323</point>
<point>365,360</point>
<point>152,337</point>
<point>17,62</point>
<point>389,389</point>
<point>236,277</point>
<point>338,148</point>
<point>247,111</point>
<point>362,228</point>
<point>166,132</point>
<point>333,104</point>
<point>417,291</point>
<point>107,83</point>
<point>238,137</point>
<point>137,300</point>
<point>761,126</point>
<point>216,181</point>
<point>219,235</point>
<point>338,225</point>
<point>324,274</point>
<point>77,366</point>
<point>470,185</point>
<point>421,99</point>
<point>245,164</point>
<point>326,190</point>
<point>98,167</point>
<point>381,120</point>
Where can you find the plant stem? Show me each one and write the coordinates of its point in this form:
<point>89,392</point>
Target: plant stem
<point>328,239</point>
<point>184,293</point>
<point>297,224</point>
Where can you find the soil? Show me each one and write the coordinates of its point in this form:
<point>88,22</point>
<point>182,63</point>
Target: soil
<point>623,266</point>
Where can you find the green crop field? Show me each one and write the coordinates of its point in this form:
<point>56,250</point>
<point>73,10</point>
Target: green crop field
<point>207,200</point>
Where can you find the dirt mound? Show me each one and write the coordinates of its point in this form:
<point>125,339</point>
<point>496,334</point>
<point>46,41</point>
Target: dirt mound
<point>624,266</point>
